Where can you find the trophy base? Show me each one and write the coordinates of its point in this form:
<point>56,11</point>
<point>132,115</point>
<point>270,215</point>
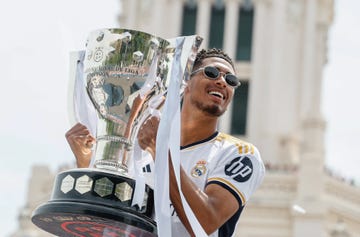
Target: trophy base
<point>95,203</point>
<point>84,220</point>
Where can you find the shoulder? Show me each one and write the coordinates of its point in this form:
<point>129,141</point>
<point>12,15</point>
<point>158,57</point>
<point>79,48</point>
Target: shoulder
<point>240,155</point>
<point>240,146</point>
<point>239,169</point>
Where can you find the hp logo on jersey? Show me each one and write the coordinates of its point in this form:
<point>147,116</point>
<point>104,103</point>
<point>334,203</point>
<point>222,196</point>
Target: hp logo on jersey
<point>240,169</point>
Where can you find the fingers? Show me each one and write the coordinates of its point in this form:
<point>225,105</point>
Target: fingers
<point>90,141</point>
<point>150,127</point>
<point>147,134</point>
<point>80,134</point>
<point>151,123</point>
<point>81,142</point>
<point>79,130</point>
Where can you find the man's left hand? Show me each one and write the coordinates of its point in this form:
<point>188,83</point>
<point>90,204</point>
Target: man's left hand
<point>147,135</point>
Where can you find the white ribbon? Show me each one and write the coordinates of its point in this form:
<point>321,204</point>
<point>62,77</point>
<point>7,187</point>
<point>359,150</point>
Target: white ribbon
<point>139,191</point>
<point>168,138</point>
<point>140,158</point>
<point>84,111</point>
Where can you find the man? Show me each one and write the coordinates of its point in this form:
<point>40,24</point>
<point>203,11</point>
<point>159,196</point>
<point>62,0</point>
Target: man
<point>218,172</point>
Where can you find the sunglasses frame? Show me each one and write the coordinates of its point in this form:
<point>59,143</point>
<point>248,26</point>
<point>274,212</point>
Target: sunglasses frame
<point>219,74</point>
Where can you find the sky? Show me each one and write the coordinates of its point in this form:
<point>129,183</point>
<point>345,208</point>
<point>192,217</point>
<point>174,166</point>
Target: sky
<point>36,38</point>
<point>341,95</point>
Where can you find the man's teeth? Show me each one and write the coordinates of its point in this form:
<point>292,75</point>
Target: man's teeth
<point>216,93</point>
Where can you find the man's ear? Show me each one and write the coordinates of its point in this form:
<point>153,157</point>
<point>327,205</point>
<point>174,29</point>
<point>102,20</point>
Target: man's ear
<point>186,86</point>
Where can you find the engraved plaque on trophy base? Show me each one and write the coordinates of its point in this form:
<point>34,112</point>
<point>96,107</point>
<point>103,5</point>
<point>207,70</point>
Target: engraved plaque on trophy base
<point>91,202</point>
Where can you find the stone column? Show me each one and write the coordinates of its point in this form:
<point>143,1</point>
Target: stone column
<point>230,37</point>
<point>174,15</point>
<point>156,15</point>
<point>260,66</point>
<point>203,21</point>
<point>311,166</point>
<point>309,62</point>
<point>231,26</point>
<point>129,14</point>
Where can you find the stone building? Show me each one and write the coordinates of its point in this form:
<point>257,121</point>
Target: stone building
<point>39,190</point>
<point>280,47</point>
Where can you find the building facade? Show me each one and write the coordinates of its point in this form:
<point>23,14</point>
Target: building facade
<point>280,48</point>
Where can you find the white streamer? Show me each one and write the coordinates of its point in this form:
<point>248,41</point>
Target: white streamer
<point>84,110</point>
<point>136,162</point>
<point>139,191</point>
<point>169,139</point>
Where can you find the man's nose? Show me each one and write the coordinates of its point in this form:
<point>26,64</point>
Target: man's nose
<point>221,80</point>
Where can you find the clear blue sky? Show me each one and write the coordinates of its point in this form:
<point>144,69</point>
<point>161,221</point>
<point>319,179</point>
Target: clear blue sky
<point>35,42</point>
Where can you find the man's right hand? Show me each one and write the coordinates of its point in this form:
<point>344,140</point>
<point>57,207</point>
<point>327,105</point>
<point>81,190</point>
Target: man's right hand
<point>81,142</point>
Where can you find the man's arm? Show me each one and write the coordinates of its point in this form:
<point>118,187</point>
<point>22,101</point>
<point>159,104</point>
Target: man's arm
<point>81,142</point>
<point>212,207</point>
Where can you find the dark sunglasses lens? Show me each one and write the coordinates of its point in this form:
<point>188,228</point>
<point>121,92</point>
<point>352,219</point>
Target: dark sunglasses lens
<point>232,80</point>
<point>211,72</point>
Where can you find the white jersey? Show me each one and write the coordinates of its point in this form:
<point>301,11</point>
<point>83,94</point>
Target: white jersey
<point>226,161</point>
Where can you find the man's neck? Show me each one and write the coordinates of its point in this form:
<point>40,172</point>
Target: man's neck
<point>196,128</point>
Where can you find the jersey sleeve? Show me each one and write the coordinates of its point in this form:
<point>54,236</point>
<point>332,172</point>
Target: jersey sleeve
<point>239,169</point>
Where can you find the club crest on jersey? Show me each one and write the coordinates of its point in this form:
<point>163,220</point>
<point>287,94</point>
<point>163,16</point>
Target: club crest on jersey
<point>199,169</point>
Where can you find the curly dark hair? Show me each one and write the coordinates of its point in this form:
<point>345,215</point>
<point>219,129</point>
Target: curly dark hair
<point>201,55</point>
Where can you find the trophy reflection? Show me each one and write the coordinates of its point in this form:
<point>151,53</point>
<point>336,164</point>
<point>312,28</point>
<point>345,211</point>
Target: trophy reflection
<point>126,74</point>
<point>120,86</point>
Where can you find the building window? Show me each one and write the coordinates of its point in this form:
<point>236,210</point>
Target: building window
<point>244,36</point>
<point>189,19</point>
<point>217,26</point>
<point>239,109</point>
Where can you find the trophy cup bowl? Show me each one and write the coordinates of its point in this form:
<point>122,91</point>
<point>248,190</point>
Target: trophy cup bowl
<point>124,70</point>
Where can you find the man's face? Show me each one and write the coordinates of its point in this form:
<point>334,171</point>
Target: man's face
<point>210,96</point>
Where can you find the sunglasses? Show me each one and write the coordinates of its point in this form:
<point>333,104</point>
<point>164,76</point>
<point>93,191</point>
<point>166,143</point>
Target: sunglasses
<point>213,73</point>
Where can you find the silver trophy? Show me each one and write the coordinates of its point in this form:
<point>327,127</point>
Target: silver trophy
<point>126,75</point>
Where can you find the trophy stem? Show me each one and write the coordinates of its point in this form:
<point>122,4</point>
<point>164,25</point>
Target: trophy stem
<point>108,151</point>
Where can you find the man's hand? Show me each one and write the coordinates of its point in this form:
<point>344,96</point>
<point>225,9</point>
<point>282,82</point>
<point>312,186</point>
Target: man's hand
<point>81,142</point>
<point>147,135</point>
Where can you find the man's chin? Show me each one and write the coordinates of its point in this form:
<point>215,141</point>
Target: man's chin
<point>214,111</point>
